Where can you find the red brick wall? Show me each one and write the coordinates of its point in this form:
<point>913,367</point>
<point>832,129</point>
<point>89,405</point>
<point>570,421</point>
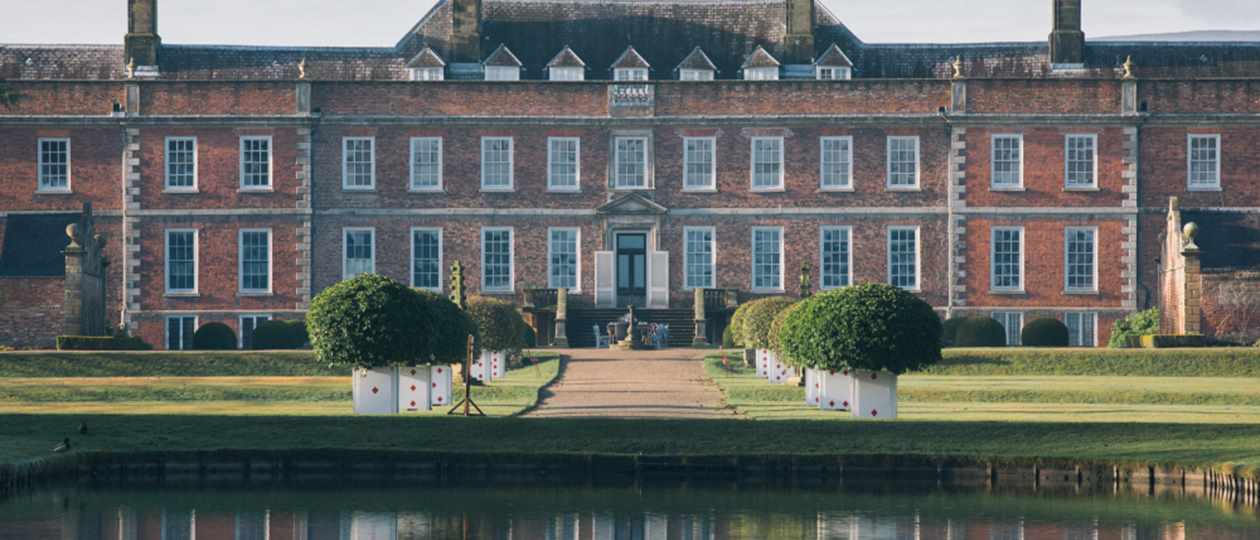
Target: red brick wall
<point>218,98</point>
<point>1045,169</point>
<point>1043,96</point>
<point>218,169</point>
<point>68,98</point>
<point>95,167</point>
<point>727,98</point>
<point>462,98</point>
<point>30,311</point>
<point>1201,96</point>
<point>1165,172</point>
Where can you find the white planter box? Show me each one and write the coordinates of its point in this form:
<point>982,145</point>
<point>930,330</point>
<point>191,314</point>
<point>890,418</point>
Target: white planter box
<point>763,363</point>
<point>413,388</point>
<point>375,390</point>
<point>440,377</point>
<point>498,364</point>
<point>835,392</point>
<point>481,368</point>
<point>813,387</point>
<point>874,395</point>
<point>779,372</point>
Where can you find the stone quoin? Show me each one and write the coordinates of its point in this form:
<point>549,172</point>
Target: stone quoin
<point>630,153</point>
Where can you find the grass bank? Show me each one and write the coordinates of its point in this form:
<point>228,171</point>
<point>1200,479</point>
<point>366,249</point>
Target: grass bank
<point>1214,362</point>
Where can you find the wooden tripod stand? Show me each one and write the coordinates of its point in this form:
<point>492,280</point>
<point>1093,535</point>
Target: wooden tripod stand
<point>467,402</point>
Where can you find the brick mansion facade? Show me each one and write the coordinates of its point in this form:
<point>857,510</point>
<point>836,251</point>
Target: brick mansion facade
<point>630,152</point>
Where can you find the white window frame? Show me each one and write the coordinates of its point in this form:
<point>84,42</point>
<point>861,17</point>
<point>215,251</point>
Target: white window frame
<point>566,74</point>
<point>753,257</point>
<point>412,172</point>
<point>711,186</point>
<point>196,262</point>
<point>41,179</point>
<point>695,74</point>
<point>822,164</point>
<point>647,162</point>
<point>502,73</point>
<point>166,331</point>
<point>833,73</point>
<point>511,260</point>
<point>822,235</point>
<point>1190,185</point>
<point>752,165</point>
<point>1067,162</point>
<point>166,151</point>
<point>1082,316</point>
<point>1005,318</point>
<point>630,74</point>
<point>577,165</point>
<point>441,257</point>
<point>511,161</point>
<point>345,164</point>
<point>918,255</point>
<point>1067,236</point>
<point>993,277</point>
<point>345,261</point>
<point>240,326</point>
<point>240,262</point>
<point>712,232</point>
<point>918,163</point>
<point>271,161</point>
<point>761,74</point>
<point>994,185</point>
<point>428,74</point>
<point>577,254</point>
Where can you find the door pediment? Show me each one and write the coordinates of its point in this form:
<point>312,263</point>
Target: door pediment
<point>631,204</point>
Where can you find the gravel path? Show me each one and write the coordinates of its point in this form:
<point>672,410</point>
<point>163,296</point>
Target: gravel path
<point>668,383</point>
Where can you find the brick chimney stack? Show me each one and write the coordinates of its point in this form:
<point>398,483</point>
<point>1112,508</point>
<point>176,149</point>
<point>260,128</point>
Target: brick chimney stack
<point>465,31</point>
<point>142,41</point>
<point>799,42</point>
<point>1067,41</point>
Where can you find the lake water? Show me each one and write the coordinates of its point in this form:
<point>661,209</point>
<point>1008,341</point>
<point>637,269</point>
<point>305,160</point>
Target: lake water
<point>337,512</point>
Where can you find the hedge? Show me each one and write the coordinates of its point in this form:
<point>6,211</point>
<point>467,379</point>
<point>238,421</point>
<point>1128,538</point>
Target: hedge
<point>280,335</point>
<point>1044,333</point>
<point>761,314</point>
<point>980,332</point>
<point>870,326</point>
<point>214,336</point>
<point>949,330</point>
<point>776,334</point>
<point>451,327</point>
<point>1130,329</point>
<point>1242,362</point>
<point>1166,341</point>
<point>499,326</point>
<point>101,343</point>
<point>373,321</point>
<point>737,324</point>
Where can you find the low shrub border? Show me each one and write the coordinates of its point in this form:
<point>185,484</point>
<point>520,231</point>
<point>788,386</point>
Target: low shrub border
<point>101,343</point>
<point>1164,341</point>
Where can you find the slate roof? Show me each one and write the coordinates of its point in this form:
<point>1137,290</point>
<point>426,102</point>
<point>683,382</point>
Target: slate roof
<point>503,57</point>
<point>663,33</point>
<point>566,58</point>
<point>426,59</point>
<point>833,57</point>
<point>33,245</point>
<point>630,59</point>
<point>760,59</point>
<point>697,60</point>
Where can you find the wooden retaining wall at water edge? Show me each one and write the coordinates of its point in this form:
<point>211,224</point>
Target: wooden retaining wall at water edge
<point>1242,486</point>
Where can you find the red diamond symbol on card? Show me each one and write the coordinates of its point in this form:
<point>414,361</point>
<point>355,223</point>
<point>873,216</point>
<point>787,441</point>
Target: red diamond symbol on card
<point>874,376</point>
<point>435,385</point>
<point>846,372</point>
<point>874,412</point>
<point>375,390</point>
<point>439,399</point>
<point>846,404</point>
<point>439,371</point>
<point>413,388</point>
<point>413,372</point>
<point>413,404</point>
<point>831,404</point>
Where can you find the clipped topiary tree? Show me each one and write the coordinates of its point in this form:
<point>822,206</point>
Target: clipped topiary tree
<point>949,330</point>
<point>776,334</point>
<point>1044,332</point>
<point>1130,329</point>
<point>759,318</point>
<point>451,328</point>
<point>863,336</point>
<point>980,332</point>
<point>736,324</point>
<point>214,337</point>
<point>280,335</point>
<point>371,321</point>
<point>499,326</point>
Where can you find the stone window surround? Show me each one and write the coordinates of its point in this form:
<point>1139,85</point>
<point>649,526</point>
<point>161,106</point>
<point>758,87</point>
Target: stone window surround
<point>346,154</point>
<point>1190,140</point>
<point>412,172</point>
<point>196,263</point>
<point>1068,185</point>
<point>511,261</point>
<point>822,255</point>
<point>649,159</point>
<point>1067,241</point>
<point>917,286</point>
<point>993,262</point>
<point>753,260</point>
<point>577,254</point>
<point>240,265</point>
<point>577,165</point>
<point>713,250</point>
<point>822,163</point>
<point>345,260</point>
<point>440,256</point>
<point>166,182</point>
<point>42,183</point>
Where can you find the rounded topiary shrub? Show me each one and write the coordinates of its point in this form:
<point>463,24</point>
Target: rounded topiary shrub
<point>776,334</point>
<point>949,330</point>
<point>761,314</point>
<point>737,325</point>
<point>728,337</point>
<point>1129,329</point>
<point>280,335</point>
<point>499,326</point>
<point>214,337</point>
<point>451,328</point>
<point>871,326</point>
<point>372,321</point>
<point>980,332</point>
<point>1045,333</point>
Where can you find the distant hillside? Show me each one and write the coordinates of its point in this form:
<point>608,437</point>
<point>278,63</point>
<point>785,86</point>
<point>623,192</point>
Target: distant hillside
<point>1201,35</point>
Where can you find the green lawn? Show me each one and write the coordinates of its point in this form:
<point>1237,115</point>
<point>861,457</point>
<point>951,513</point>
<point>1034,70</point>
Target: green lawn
<point>1220,362</point>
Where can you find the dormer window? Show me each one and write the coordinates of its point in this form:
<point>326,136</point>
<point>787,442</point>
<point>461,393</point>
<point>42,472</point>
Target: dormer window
<point>630,66</point>
<point>695,75</point>
<point>566,66</point>
<point>502,65</point>
<point>834,73</point>
<point>761,66</point>
<point>427,74</point>
<point>630,74</point>
<point>696,67</point>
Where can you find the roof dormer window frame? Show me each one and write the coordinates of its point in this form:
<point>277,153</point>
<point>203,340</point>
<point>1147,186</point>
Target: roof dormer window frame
<point>566,73</point>
<point>696,75</point>
<point>428,74</point>
<point>630,74</point>
<point>833,73</point>
<point>761,74</point>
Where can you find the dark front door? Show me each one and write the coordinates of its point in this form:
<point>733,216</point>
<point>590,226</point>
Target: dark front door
<point>631,269</point>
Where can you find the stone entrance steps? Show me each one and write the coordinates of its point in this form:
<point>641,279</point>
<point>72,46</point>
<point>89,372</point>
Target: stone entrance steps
<point>682,327</point>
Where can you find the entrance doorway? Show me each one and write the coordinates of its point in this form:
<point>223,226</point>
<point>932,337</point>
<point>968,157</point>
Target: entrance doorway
<point>631,269</point>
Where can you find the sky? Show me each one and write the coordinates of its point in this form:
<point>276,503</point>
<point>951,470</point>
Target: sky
<point>383,22</point>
